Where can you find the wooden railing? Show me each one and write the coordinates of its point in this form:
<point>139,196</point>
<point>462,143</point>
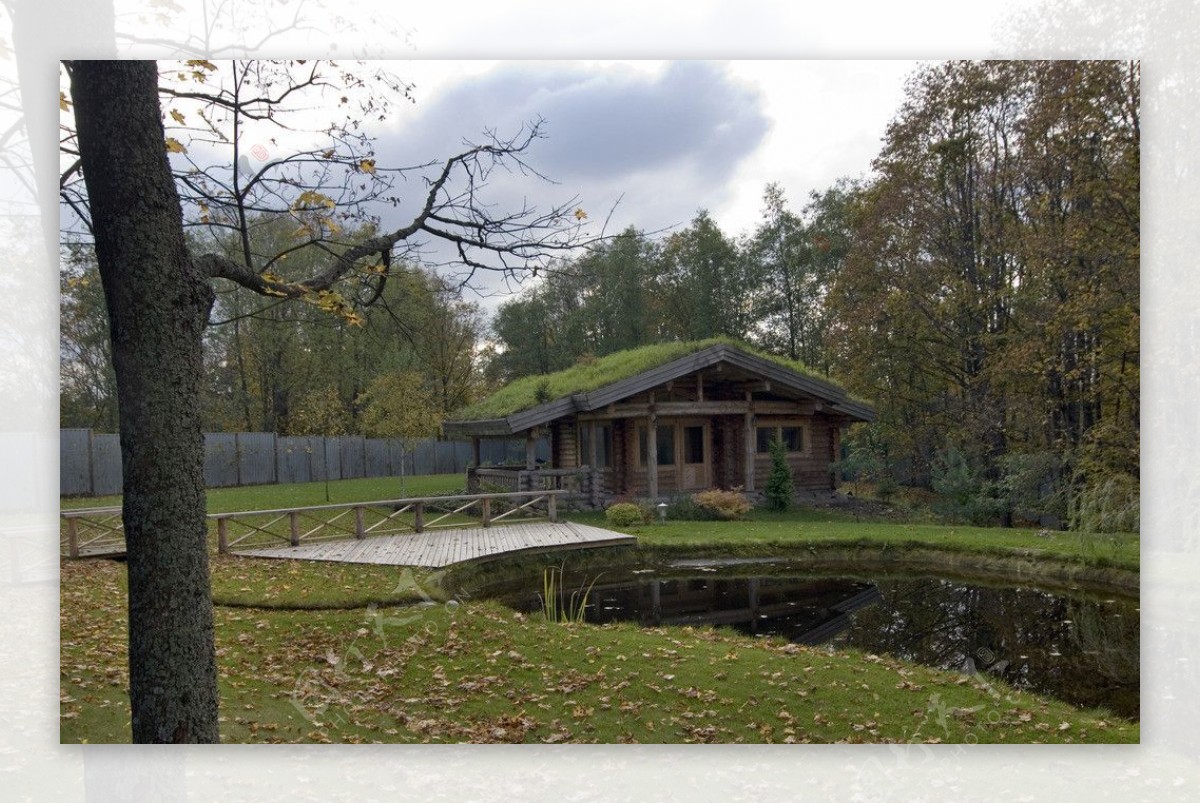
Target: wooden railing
<point>583,484</point>
<point>99,531</point>
<point>92,531</point>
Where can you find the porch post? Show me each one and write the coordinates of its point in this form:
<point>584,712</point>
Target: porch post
<point>652,451</point>
<point>751,444</point>
<point>531,449</point>
<point>473,469</point>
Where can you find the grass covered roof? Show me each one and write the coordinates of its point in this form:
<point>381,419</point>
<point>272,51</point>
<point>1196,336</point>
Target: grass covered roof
<point>528,392</point>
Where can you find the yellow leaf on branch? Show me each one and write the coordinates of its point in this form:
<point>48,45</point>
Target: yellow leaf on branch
<point>175,146</point>
<point>311,198</point>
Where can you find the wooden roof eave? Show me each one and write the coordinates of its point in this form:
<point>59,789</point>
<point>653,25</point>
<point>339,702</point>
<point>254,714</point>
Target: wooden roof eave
<point>783,377</point>
<point>856,410</point>
<point>706,358</point>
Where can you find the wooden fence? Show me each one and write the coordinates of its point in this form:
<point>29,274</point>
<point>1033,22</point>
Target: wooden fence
<point>90,463</point>
<point>90,532</point>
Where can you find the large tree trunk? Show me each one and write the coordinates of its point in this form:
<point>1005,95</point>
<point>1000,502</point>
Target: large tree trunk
<point>158,305</point>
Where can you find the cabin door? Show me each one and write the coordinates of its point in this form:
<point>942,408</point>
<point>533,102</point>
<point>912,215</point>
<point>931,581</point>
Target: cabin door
<point>695,457</point>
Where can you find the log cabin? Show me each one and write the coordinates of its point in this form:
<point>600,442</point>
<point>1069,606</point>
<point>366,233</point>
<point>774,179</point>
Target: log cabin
<point>664,420</point>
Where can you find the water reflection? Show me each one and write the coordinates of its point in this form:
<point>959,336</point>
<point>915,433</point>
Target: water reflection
<point>1079,650</point>
<point>1084,651</point>
<point>807,610</point>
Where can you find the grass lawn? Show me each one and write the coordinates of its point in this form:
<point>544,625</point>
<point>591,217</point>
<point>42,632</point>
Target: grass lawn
<point>765,532</point>
<point>479,672</point>
<point>321,652</point>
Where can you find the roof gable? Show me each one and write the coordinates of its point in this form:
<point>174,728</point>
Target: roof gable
<point>612,378</point>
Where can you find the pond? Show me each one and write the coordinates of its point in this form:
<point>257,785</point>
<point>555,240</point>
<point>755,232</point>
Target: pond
<point>1067,645</point>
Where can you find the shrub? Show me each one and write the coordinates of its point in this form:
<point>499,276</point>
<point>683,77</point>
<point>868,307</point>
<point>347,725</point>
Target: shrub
<point>1034,486</point>
<point>868,461</point>
<point>722,504</point>
<point>780,487</point>
<point>963,493</point>
<point>686,509</point>
<point>1110,504</point>
<point>887,487</point>
<point>624,515</point>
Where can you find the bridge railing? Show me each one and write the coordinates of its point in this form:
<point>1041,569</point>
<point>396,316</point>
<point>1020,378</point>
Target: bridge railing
<point>99,531</point>
<point>91,531</point>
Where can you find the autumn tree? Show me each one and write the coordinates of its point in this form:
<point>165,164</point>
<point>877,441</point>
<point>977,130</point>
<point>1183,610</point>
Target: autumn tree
<point>790,262</point>
<point>400,405</point>
<point>159,295</point>
<point>321,412</point>
<point>989,300</point>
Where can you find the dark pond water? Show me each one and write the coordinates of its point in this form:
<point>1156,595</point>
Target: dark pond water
<point>1083,650</point>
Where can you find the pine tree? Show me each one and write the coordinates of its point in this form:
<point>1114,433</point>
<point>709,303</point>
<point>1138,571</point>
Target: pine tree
<point>779,484</point>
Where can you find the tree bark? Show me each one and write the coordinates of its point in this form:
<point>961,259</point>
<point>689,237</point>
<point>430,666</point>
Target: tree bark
<point>158,304</point>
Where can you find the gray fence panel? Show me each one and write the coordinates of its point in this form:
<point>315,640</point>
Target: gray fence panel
<point>352,457</point>
<point>443,452</point>
<point>74,462</point>
<point>422,457</point>
<point>220,459</point>
<point>256,458</point>
<point>293,463</point>
<point>463,456</point>
<point>333,455</point>
<point>106,464</point>
<point>399,458</point>
<point>250,458</point>
<point>378,457</point>
<point>325,462</point>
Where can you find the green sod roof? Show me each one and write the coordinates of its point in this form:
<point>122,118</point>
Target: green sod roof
<point>523,394</point>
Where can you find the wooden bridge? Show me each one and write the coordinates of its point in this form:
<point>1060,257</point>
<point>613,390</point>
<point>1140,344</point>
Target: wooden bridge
<point>416,531</point>
<point>451,546</point>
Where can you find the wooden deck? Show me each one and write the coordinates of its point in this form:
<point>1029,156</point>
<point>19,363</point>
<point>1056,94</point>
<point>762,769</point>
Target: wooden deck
<point>436,549</point>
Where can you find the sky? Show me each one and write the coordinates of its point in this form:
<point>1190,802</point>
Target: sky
<point>665,138</point>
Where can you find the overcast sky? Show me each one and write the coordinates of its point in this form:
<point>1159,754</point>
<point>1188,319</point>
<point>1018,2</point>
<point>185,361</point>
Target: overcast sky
<point>665,138</point>
<point>668,137</point>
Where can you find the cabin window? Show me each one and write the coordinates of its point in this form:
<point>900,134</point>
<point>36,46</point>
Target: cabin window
<point>792,437</point>
<point>597,437</point>
<point>666,445</point>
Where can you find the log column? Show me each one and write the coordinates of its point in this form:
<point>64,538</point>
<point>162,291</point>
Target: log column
<point>652,451</point>
<point>751,444</point>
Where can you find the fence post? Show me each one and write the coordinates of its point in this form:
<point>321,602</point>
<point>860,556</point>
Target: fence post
<point>91,464</point>
<point>486,505</point>
<point>72,538</point>
<point>222,536</point>
<point>359,533</point>
<point>419,517</point>
<point>552,507</point>
<point>294,519</point>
